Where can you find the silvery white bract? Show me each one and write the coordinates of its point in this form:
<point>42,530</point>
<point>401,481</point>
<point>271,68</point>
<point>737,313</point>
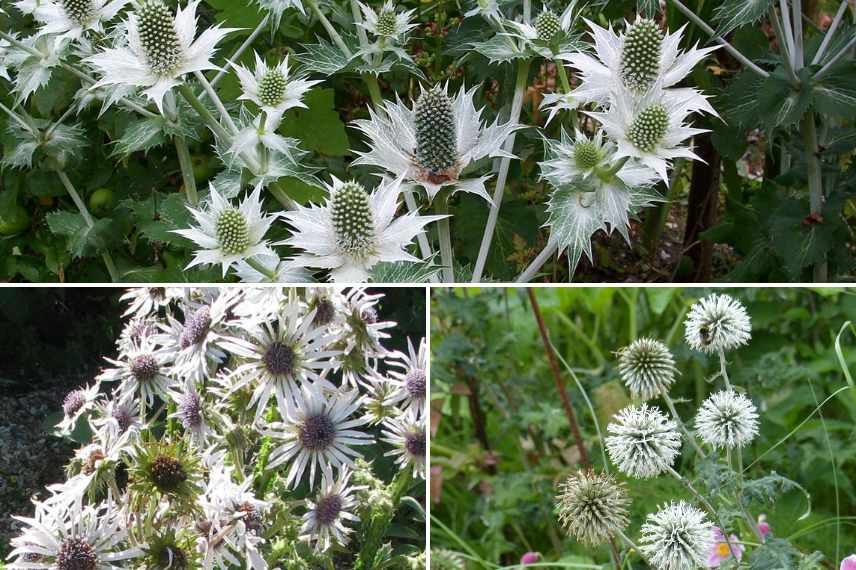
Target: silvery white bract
<point>275,270</point>
<point>34,72</point>
<point>75,404</point>
<point>432,142</point>
<point>63,144</point>
<point>549,35</point>
<point>355,230</point>
<point>227,234</point>
<point>386,23</point>
<point>328,515</point>
<point>488,9</point>
<point>271,88</point>
<point>73,18</point>
<point>717,323</point>
<point>278,7</point>
<point>260,139</point>
<point>727,420</point>
<point>158,49</point>
<point>677,537</point>
<point>642,443</point>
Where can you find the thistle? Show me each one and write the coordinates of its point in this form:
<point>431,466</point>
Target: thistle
<point>158,36</point>
<point>717,323</point>
<point>727,419</point>
<point>592,506</point>
<point>649,127</point>
<point>640,55</point>
<point>677,537</point>
<point>436,133</point>
<point>647,368</point>
<point>643,442</point>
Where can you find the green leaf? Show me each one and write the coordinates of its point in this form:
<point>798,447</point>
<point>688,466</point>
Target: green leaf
<point>237,14</point>
<point>323,58</point>
<point>157,215</point>
<point>499,49</point>
<point>647,8</point>
<point>319,127</point>
<point>64,224</point>
<point>659,298</point>
<point>733,14</point>
<point>779,104</point>
<point>143,134</point>
<point>835,94</point>
<point>740,99</point>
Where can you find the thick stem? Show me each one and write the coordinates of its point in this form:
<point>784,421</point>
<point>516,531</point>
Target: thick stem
<point>537,263</point>
<point>557,378</point>
<point>671,405</point>
<point>722,370</point>
<point>227,118</point>
<point>422,238</point>
<point>186,165</point>
<point>281,195</point>
<point>87,219</point>
<point>691,16</point>
<point>815,182</point>
<point>258,266</point>
<point>516,107</point>
<point>331,31</point>
<point>374,90</point>
<point>784,45</point>
<point>447,256</point>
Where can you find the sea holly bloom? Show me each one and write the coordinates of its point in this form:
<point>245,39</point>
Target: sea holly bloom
<point>160,49</point>
<point>550,35</point>
<point>324,523</point>
<point>278,7</point>
<point>73,18</point>
<point>142,371</point>
<point>723,549</point>
<point>386,23</point>
<point>227,234</point>
<point>430,144</point>
<point>34,72</point>
<point>677,537</point>
<point>636,60</point>
<point>75,404</point>
<point>276,270</point>
<point>643,442</point>
<point>355,230</point>
<point>592,506</point>
<point>728,420</point>
<point>647,368</point>
<point>487,9</point>
<point>271,88</point>
<point>409,376</point>
<point>406,433</point>
<point>717,323</point>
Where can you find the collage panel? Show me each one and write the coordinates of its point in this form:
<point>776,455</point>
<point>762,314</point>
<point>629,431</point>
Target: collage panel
<point>642,427</point>
<point>212,427</point>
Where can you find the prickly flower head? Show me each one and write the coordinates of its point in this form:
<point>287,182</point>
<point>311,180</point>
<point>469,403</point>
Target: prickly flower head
<point>592,506</point>
<point>647,368</point>
<point>677,537</point>
<point>717,323</point>
<point>386,22</point>
<point>727,419</point>
<point>643,442</point>
<point>640,54</point>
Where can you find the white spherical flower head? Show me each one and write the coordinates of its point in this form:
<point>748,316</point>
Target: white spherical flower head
<point>547,25</point>
<point>272,88</point>
<point>355,230</point>
<point>677,537</point>
<point>73,18</point>
<point>727,419</point>
<point>227,234</point>
<point>643,442</point>
<point>717,323</point>
<point>431,143</point>
<point>647,368</point>
<point>592,506</point>
<point>159,49</point>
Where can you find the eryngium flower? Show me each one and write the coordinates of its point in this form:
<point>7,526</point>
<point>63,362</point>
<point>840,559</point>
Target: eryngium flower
<point>72,18</point>
<point>647,367</point>
<point>717,323</point>
<point>676,537</point>
<point>727,419</point>
<point>271,88</point>
<point>644,442</point>
<point>592,506</point>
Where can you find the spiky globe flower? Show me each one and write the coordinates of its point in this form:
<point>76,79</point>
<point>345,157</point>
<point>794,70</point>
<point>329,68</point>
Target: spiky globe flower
<point>273,88</point>
<point>717,323</point>
<point>547,25</point>
<point>640,54</point>
<point>644,442</point>
<point>677,537</point>
<point>592,506</point>
<point>385,22</point>
<point>73,18</point>
<point>436,132</point>
<point>727,419</point>
<point>647,368</point>
<point>649,127</point>
<point>164,469</point>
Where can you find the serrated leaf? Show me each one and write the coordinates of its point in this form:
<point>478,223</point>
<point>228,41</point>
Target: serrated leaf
<point>143,134</point>
<point>156,216</point>
<point>319,127</point>
<point>403,272</point>
<point>499,49</point>
<point>92,238</point>
<point>323,58</point>
<point>835,93</point>
<point>779,104</point>
<point>64,224</point>
<point>732,14</point>
<point>800,245</point>
<point>740,99</point>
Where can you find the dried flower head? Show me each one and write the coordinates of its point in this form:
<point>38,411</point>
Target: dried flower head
<point>717,323</point>
<point>644,442</point>
<point>727,419</point>
<point>592,506</point>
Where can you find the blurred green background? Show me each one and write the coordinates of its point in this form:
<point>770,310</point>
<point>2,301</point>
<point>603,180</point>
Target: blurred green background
<point>501,441</point>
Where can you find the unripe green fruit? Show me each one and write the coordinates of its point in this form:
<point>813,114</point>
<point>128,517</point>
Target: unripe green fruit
<point>101,201</point>
<point>14,221</point>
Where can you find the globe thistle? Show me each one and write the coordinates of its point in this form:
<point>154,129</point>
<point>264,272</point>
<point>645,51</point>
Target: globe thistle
<point>727,419</point>
<point>445,559</point>
<point>647,368</point>
<point>325,520</point>
<point>644,443</point>
<point>717,323</point>
<point>677,537</point>
<point>592,506</point>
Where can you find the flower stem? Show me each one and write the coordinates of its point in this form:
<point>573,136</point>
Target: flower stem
<point>87,219</point>
<point>447,256</point>
<point>815,182</point>
<point>258,266</point>
<point>739,497</point>
<point>203,112</point>
<point>830,32</point>
<point>671,405</point>
<point>563,75</point>
<point>186,165</point>
<point>538,262</point>
<point>722,371</point>
<point>331,31</point>
<point>374,90</point>
<point>20,120</point>
<point>422,238</point>
<point>217,102</point>
<point>490,227</point>
<point>239,52</point>
<point>629,542</point>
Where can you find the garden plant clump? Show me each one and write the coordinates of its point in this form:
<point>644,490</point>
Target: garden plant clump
<point>298,140</point>
<point>719,454</point>
<point>242,427</point>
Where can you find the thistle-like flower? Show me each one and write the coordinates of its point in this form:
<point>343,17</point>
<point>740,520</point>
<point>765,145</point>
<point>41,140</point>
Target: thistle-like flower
<point>647,368</point>
<point>431,143</point>
<point>409,374</point>
<point>487,9</point>
<point>549,34</point>
<point>386,23</point>
<point>271,88</point>
<point>677,537</point>
<point>318,432</point>
<point>278,7</point>
<point>75,404</point>
<point>406,432</point>
<point>644,443</point>
<point>717,323</point>
<point>592,506</point>
<point>326,517</point>
<point>164,469</point>
<point>142,371</point>
<point>73,18</point>
<point>159,49</point>
<point>35,71</point>
<point>354,230</point>
<point>195,415</point>
<point>636,60</point>
<point>146,301</point>
<point>727,419</point>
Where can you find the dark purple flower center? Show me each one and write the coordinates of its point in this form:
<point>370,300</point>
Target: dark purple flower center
<point>76,554</point>
<point>328,508</point>
<point>190,411</point>
<point>324,312</point>
<point>144,368</point>
<point>369,315</point>
<point>317,432</point>
<point>279,359</point>
<point>122,415</point>
<point>73,401</point>
<point>195,327</point>
<point>167,473</point>
<point>415,383</point>
<point>415,443</point>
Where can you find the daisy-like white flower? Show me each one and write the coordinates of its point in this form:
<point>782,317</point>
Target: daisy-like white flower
<point>116,418</point>
<point>635,60</point>
<point>406,433</point>
<point>271,88</point>
<point>280,355</point>
<point>379,392</point>
<point>146,301</point>
<point>65,536</point>
<point>647,368</point>
<point>73,18</point>
<point>228,234</point>
<point>651,129</point>
<point>75,404</point>
<point>643,442</point>
<point>677,537</point>
<point>159,49</point>
<point>324,523</point>
<point>142,371</point>
<point>354,230</point>
<point>727,419</point>
<point>278,7</point>
<point>411,378</point>
<point>386,23</point>
<point>363,333</point>
<point>328,303</point>
<point>592,506</point>
<point>136,329</point>
<point>717,323</point>
<point>194,414</point>
<point>430,144</point>
<point>318,432</point>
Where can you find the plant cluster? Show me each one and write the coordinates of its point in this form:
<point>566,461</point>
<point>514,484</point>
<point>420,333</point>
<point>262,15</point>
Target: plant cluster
<point>251,427</point>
